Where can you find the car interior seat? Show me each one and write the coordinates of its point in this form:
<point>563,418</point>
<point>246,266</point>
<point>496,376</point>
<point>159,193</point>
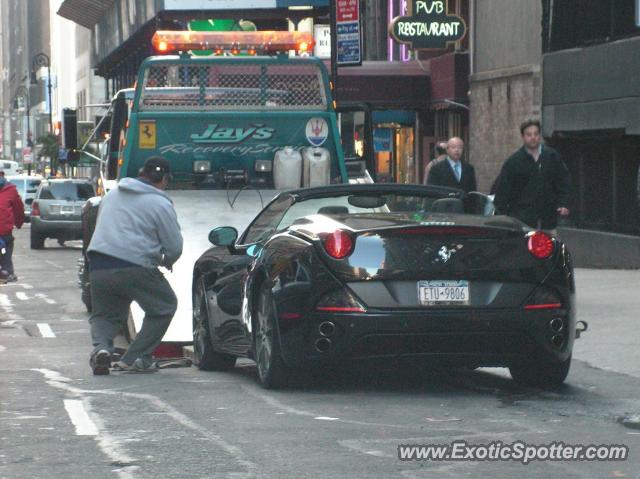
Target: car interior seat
<point>333,210</point>
<point>447,205</point>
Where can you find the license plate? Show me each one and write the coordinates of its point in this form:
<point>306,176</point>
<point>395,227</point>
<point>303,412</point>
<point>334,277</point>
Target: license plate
<point>68,210</point>
<point>443,292</point>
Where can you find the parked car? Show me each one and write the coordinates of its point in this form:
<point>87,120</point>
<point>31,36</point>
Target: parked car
<point>382,272</point>
<point>10,167</point>
<point>27,187</point>
<point>56,209</point>
<point>89,216</point>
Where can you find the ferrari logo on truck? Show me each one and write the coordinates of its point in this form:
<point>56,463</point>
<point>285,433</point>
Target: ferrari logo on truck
<point>147,136</point>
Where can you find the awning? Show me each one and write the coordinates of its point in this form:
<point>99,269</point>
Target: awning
<point>381,84</point>
<point>84,12</point>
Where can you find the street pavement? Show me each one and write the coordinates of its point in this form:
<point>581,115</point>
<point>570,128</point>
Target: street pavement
<point>58,420</point>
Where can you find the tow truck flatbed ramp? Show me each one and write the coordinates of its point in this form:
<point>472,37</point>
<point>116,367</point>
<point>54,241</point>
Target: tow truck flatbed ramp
<point>199,211</point>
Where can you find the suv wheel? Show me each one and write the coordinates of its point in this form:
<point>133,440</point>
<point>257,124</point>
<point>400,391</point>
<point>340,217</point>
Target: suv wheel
<point>37,240</point>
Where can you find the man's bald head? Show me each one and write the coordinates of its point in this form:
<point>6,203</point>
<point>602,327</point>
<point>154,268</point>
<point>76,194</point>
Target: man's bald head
<point>455,148</point>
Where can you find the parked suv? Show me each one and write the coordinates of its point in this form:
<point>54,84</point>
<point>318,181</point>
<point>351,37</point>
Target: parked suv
<point>56,209</point>
<point>27,187</point>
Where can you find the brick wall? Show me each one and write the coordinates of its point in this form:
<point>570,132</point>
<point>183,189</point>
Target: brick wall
<point>500,101</point>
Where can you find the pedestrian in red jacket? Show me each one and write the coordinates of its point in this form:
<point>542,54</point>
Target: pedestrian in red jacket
<point>11,216</point>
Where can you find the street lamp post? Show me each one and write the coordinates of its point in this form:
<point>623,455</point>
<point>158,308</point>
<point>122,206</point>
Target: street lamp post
<point>42,60</point>
<point>23,92</point>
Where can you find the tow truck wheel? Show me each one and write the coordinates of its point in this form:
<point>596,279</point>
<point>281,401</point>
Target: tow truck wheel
<point>205,357</point>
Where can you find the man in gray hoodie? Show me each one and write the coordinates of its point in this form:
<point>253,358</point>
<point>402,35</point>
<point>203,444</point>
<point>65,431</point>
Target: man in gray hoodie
<point>137,230</point>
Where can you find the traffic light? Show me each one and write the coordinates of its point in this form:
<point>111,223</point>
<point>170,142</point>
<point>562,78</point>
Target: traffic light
<point>105,127</point>
<point>70,128</point>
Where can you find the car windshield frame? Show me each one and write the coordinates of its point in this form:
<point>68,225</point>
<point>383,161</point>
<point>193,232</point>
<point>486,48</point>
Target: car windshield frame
<point>473,203</point>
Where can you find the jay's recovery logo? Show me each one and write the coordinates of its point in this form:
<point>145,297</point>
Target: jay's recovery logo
<point>217,134</point>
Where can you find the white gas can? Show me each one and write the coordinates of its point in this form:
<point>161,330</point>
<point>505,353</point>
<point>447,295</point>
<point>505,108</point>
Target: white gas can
<point>316,166</point>
<point>287,169</point>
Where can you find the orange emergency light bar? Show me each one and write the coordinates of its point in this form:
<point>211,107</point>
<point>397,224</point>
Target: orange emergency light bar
<point>265,42</point>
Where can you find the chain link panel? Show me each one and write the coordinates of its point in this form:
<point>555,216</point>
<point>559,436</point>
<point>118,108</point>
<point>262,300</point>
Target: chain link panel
<point>233,86</point>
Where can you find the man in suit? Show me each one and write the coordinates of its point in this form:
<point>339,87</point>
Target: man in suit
<point>440,153</point>
<point>452,172</point>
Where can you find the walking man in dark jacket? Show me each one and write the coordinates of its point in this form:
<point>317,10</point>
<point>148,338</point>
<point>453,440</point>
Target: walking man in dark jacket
<point>535,185</point>
<point>11,216</point>
<point>451,171</point>
<point>137,231</point>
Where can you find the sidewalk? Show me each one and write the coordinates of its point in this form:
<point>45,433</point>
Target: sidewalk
<point>609,300</point>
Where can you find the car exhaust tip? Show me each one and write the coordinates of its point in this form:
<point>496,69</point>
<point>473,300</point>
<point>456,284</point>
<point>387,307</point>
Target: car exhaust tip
<point>556,325</point>
<point>323,345</point>
<point>327,328</point>
<point>557,340</point>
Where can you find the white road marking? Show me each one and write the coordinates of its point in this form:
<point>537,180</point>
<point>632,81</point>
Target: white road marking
<point>6,303</point>
<point>46,331</point>
<point>27,286</point>
<point>79,417</point>
<point>298,412</point>
<point>2,348</point>
<point>55,265</point>
<point>22,296</point>
<point>114,446</point>
<point>46,299</point>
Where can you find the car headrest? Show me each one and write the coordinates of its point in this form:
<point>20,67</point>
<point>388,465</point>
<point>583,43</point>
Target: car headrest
<point>333,210</point>
<point>447,205</point>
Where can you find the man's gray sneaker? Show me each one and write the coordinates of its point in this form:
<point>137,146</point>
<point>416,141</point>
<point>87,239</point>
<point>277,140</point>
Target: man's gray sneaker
<point>100,362</point>
<point>138,366</point>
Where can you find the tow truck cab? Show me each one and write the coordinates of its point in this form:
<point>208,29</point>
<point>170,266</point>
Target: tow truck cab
<point>220,118</point>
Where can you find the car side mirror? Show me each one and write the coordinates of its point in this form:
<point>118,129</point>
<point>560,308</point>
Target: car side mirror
<point>223,236</point>
<point>254,250</point>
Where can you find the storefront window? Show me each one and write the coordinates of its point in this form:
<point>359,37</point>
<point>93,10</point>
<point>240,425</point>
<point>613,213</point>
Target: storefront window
<point>394,147</point>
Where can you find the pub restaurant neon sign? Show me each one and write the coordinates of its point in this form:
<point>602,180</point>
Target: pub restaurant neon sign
<point>428,26</point>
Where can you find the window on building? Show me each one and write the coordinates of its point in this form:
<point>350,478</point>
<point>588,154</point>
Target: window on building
<point>576,23</point>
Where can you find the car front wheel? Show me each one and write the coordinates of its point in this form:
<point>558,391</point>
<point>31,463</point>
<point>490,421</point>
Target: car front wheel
<point>205,357</point>
<point>272,370</point>
<point>543,372</point>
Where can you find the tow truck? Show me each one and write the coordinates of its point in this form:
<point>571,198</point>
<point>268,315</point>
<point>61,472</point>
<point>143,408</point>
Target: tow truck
<point>248,118</point>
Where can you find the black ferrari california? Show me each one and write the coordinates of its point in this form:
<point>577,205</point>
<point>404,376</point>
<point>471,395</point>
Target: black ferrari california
<point>384,272</point>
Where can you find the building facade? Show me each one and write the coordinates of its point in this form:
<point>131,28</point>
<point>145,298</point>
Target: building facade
<point>505,81</point>
<point>25,26</point>
<point>591,106</point>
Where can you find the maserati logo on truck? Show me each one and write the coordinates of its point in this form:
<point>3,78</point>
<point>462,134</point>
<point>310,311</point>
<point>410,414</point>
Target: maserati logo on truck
<point>217,134</point>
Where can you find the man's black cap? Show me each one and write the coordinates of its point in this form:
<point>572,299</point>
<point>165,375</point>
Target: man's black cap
<point>155,165</point>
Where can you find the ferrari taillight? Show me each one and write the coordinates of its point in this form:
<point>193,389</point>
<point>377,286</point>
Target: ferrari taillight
<point>339,301</point>
<point>35,209</point>
<point>540,244</point>
<point>543,298</point>
<point>338,244</point>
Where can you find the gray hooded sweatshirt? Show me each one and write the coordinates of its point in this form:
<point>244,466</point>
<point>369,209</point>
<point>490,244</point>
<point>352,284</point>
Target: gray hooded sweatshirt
<point>137,223</point>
